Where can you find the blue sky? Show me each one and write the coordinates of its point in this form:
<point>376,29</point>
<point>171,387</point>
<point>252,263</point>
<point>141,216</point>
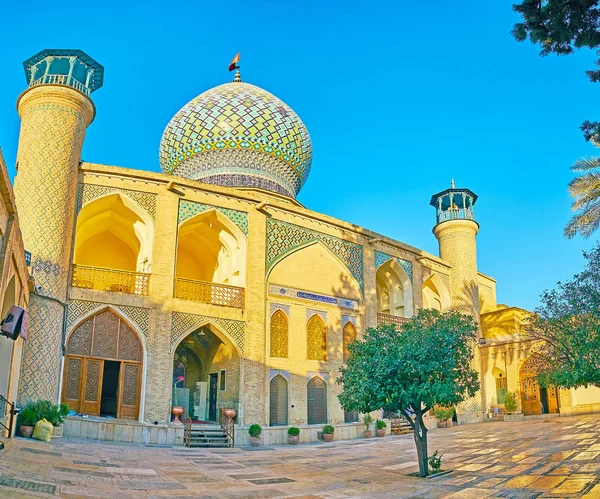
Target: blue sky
<point>398,98</point>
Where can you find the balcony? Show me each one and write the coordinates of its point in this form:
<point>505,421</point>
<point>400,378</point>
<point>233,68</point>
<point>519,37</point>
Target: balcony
<point>455,214</point>
<point>390,320</point>
<point>121,281</point>
<point>208,292</point>
<point>69,81</point>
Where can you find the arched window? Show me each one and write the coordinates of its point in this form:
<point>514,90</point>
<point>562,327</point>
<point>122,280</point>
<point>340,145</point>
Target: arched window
<point>316,339</point>
<point>278,408</point>
<point>317,401</point>
<point>279,335</point>
<point>349,337</point>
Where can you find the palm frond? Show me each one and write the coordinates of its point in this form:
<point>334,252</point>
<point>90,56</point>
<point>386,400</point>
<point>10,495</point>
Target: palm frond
<point>584,223</point>
<point>585,164</point>
<point>585,189</point>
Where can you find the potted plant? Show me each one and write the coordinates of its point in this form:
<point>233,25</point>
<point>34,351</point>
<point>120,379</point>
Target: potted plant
<point>293,435</point>
<point>380,427</point>
<point>27,419</point>
<point>177,410</point>
<point>328,433</point>
<point>255,430</point>
<point>444,414</point>
<point>367,420</point>
<point>56,416</point>
<point>510,404</point>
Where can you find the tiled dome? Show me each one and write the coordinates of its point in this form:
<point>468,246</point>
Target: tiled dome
<point>238,135</point>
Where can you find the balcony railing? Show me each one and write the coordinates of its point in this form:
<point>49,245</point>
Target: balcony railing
<point>123,281</point>
<point>455,214</point>
<point>208,292</point>
<point>67,80</point>
<point>390,320</point>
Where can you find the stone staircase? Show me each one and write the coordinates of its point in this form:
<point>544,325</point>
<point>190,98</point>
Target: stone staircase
<point>209,436</point>
<point>400,426</point>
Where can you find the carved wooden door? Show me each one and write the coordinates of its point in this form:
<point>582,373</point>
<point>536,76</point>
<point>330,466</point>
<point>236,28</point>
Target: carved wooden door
<point>129,393</point>
<point>530,395</point>
<point>73,382</point>
<point>552,392</point>
<point>92,392</point>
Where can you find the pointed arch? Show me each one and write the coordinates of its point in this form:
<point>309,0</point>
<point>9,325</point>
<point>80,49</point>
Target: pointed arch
<point>115,232</point>
<point>394,290</point>
<point>316,339</point>
<point>278,401</point>
<point>316,400</point>
<point>349,336</point>
<point>435,294</point>
<point>279,335</point>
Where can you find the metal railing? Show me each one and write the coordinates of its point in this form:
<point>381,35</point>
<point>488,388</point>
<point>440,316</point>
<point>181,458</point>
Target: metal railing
<point>208,292</point>
<point>66,80</point>
<point>122,281</point>
<point>390,320</point>
<point>228,427</point>
<point>11,415</point>
<point>187,429</point>
<point>455,214</point>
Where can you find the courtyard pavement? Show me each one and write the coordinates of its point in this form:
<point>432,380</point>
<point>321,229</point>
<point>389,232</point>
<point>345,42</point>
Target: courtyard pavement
<point>554,457</point>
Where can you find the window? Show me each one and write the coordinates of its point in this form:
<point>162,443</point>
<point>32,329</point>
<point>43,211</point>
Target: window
<point>316,339</point>
<point>349,336</point>
<point>279,335</point>
<point>278,407</point>
<point>350,417</point>
<point>222,380</point>
<point>501,388</point>
<point>317,401</point>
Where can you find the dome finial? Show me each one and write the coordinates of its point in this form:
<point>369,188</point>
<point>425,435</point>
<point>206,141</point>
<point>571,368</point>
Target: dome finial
<point>234,65</point>
<point>452,184</point>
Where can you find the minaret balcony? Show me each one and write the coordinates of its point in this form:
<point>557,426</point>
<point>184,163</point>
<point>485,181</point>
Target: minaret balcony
<point>121,281</point>
<point>455,214</point>
<point>209,292</point>
<point>66,80</point>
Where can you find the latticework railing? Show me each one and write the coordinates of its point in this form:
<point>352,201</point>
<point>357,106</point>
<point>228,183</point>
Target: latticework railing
<point>390,320</point>
<point>208,292</point>
<point>187,429</point>
<point>228,427</point>
<point>123,281</point>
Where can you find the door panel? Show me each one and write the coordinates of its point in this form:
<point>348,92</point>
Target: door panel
<point>73,382</point>
<point>212,398</point>
<point>129,390</point>
<point>552,399</point>
<point>530,396</point>
<point>92,389</point>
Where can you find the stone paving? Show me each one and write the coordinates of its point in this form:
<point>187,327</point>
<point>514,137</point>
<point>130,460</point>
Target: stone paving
<point>554,457</point>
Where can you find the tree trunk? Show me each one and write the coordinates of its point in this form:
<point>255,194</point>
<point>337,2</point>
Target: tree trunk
<point>420,434</point>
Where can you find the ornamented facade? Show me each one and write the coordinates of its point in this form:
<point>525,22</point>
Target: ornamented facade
<point>208,286</point>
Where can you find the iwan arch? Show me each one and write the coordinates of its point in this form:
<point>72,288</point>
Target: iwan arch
<point>208,286</point>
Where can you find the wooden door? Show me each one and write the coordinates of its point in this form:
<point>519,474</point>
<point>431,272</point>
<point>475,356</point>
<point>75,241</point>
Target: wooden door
<point>530,395</point>
<point>317,401</point>
<point>212,397</point>
<point>73,382</point>
<point>129,390</point>
<point>552,392</point>
<point>92,388</point>
<point>278,407</point>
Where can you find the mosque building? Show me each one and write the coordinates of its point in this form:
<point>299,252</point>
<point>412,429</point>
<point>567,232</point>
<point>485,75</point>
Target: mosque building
<point>209,287</point>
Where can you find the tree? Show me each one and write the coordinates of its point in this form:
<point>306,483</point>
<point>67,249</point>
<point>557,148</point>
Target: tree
<point>585,189</point>
<point>567,329</point>
<point>426,362</point>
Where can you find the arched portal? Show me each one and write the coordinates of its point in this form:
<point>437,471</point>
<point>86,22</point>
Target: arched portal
<point>206,374</point>
<point>435,294</point>
<point>278,398</point>
<point>103,368</point>
<point>534,398</point>
<point>394,290</point>
<point>316,401</point>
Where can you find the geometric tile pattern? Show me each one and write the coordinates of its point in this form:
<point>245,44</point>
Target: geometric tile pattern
<point>381,258</point>
<point>188,209</point>
<point>274,289</point>
<point>137,315</point>
<point>348,318</point>
<point>183,324</point>
<point>276,306</point>
<point>322,374</point>
<point>258,137</point>
<point>88,192</point>
<point>311,312</point>
<point>275,372</point>
<point>283,237</point>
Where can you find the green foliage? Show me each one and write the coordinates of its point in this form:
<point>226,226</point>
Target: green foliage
<point>328,429</point>
<point>566,328</point>
<point>435,463</point>
<point>380,425</point>
<point>27,417</point>
<point>443,413</point>
<point>293,431</point>
<point>255,430</point>
<point>510,404</point>
<point>425,363</point>
<point>44,409</point>
<point>367,421</point>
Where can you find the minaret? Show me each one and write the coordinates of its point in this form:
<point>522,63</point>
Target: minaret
<point>55,112</point>
<point>455,231</point>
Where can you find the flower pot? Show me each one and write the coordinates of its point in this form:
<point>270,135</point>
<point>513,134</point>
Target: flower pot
<point>254,441</point>
<point>368,433</point>
<point>177,412</point>
<point>443,424</point>
<point>327,437</point>
<point>58,431</point>
<point>231,413</point>
<point>26,431</point>
<point>293,439</point>
<point>380,433</point>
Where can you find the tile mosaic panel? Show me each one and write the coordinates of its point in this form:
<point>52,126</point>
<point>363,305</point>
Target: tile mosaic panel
<point>311,311</point>
<point>381,258</point>
<point>183,324</point>
<point>274,289</point>
<point>188,209</point>
<point>322,374</point>
<point>277,306</point>
<point>275,372</point>
<point>137,315</point>
<point>348,318</point>
<point>89,192</point>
